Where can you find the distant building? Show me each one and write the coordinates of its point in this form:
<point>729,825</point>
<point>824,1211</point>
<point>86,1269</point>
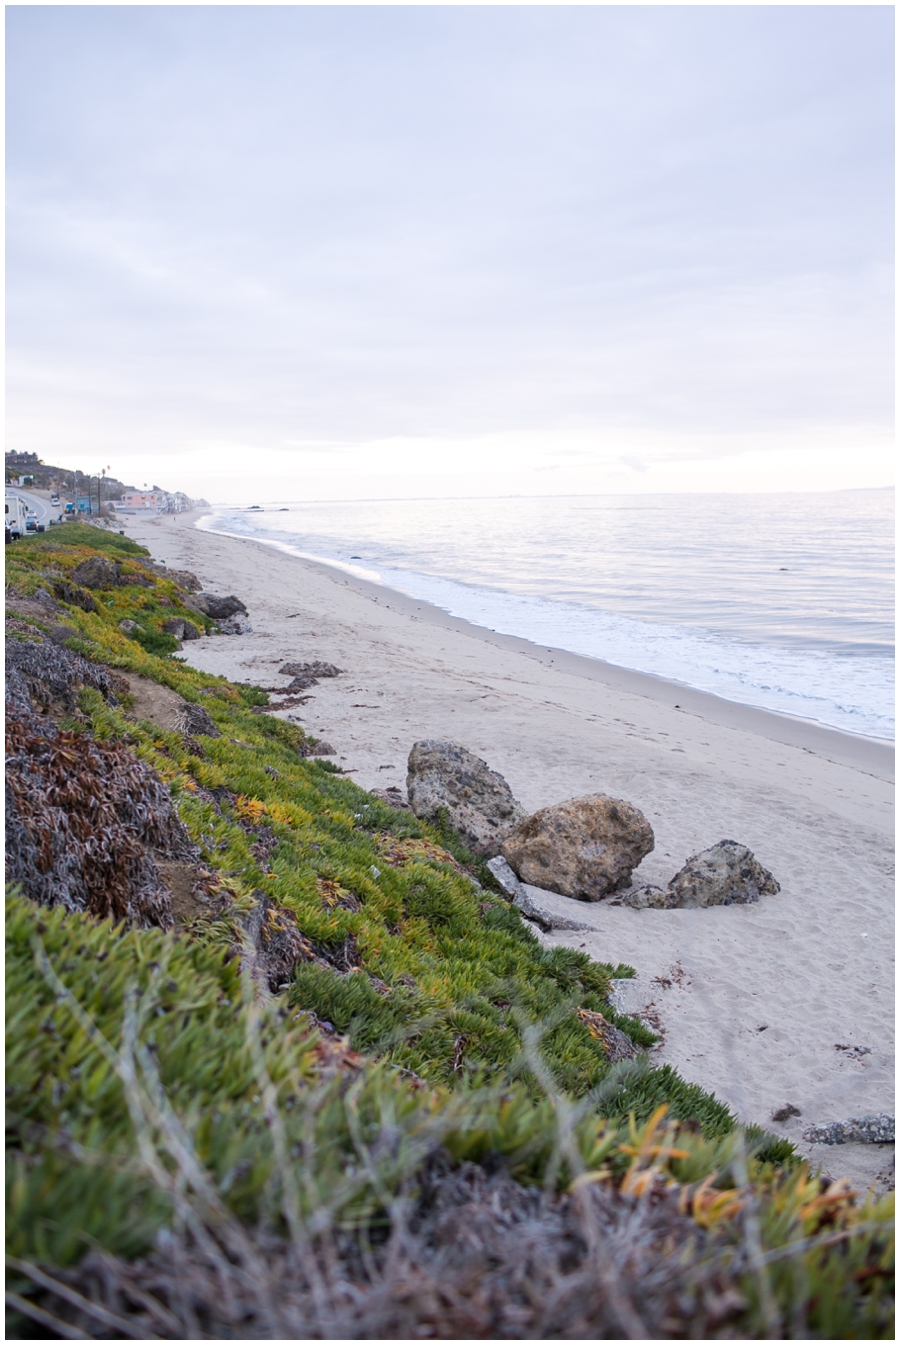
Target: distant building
<point>141,499</point>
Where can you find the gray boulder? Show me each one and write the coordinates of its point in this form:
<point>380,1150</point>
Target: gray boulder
<point>181,629</point>
<point>127,626</point>
<point>726,874</point>
<point>583,848</point>
<point>479,803</point>
<point>218,608</point>
<point>96,572</point>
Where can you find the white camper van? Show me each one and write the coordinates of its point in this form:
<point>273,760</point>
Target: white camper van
<point>15,518</point>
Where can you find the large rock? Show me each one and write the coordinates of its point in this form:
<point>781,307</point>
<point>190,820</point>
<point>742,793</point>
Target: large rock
<point>96,572</point>
<point>584,848</point>
<point>218,608</point>
<point>479,803</point>
<point>726,874</point>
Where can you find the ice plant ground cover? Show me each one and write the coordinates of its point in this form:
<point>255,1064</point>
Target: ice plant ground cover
<point>174,1117</point>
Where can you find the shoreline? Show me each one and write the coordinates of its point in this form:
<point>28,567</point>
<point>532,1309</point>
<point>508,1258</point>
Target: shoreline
<point>875,755</point>
<point>755,1003</point>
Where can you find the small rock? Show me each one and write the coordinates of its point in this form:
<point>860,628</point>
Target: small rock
<point>786,1112</point>
<point>393,797</point>
<point>505,877</point>
<point>59,634</point>
<point>876,1129</point>
<point>96,572</point>
<point>181,629</point>
<point>725,874</point>
<point>40,595</point>
<point>583,848</point>
<point>235,625</point>
<point>322,749</point>
<point>646,898</point>
<point>616,1043</point>
<point>316,669</point>
<point>127,626</point>
<point>479,803</point>
<point>547,909</point>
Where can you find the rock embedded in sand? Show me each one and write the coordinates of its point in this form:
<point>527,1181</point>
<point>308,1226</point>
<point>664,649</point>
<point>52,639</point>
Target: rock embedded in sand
<point>648,898</point>
<point>858,1130</point>
<point>726,874</point>
<point>479,803</point>
<point>235,625</point>
<point>315,669</point>
<point>583,848</point>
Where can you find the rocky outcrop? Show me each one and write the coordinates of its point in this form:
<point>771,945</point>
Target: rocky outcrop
<point>726,874</point>
<point>479,803</point>
<point>183,578</point>
<point>88,824</point>
<point>96,572</point>
<point>583,848</point>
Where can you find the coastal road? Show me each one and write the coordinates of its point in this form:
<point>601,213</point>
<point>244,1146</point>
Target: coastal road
<point>42,508</point>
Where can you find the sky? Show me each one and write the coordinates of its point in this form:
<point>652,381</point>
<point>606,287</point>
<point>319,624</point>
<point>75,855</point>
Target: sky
<point>341,252</point>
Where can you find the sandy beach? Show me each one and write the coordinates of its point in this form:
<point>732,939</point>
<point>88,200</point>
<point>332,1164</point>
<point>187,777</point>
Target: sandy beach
<point>786,1002</point>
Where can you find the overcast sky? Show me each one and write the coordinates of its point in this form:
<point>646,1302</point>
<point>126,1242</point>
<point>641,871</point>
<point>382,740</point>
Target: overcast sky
<point>362,251</point>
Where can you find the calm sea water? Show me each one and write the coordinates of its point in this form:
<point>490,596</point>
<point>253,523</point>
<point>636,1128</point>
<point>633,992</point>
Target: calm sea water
<point>780,601</point>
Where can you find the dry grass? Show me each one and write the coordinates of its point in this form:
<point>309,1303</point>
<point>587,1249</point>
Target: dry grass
<point>459,1251</point>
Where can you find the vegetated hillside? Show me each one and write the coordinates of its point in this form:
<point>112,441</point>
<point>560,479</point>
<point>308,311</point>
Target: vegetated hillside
<point>318,1017</point>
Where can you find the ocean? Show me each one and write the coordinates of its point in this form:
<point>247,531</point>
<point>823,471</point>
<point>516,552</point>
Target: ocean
<point>779,601</point>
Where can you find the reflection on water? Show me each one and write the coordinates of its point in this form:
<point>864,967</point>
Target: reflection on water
<point>784,601</point>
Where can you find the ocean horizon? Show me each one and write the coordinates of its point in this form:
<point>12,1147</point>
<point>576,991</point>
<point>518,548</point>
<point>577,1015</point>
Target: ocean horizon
<point>784,602</point>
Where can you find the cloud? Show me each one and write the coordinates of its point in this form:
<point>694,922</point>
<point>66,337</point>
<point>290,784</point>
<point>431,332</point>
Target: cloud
<point>327,232</point>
